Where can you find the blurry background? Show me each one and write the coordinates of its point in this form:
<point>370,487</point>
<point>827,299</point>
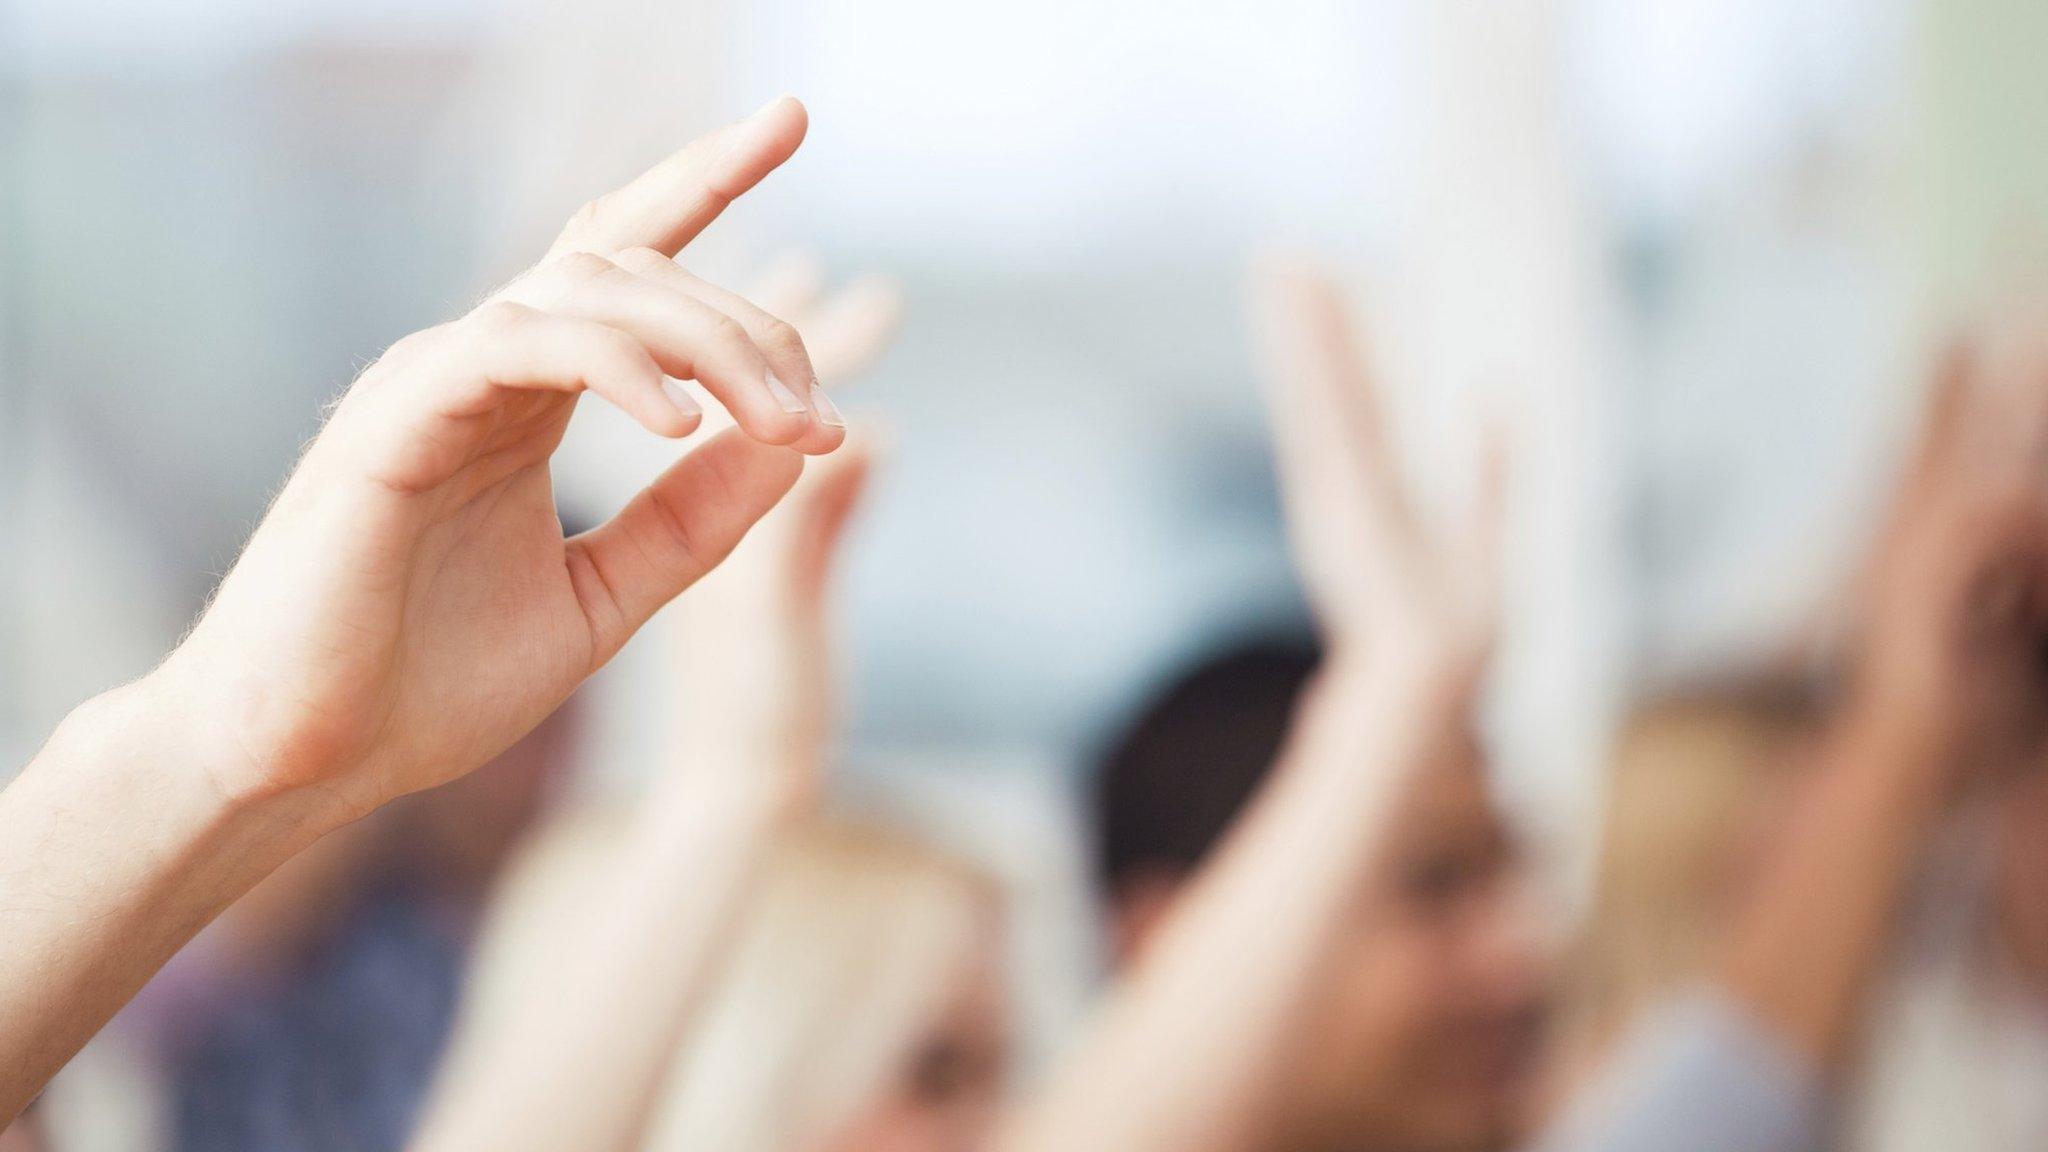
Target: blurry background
<point>1693,254</point>
<point>218,211</point>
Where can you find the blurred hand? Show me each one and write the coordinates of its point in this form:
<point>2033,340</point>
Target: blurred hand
<point>1376,578</point>
<point>847,330</point>
<point>1958,587</point>
<point>754,643</point>
<point>409,606</point>
<point>754,639</point>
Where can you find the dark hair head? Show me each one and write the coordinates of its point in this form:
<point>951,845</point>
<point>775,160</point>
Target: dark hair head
<point>1177,775</point>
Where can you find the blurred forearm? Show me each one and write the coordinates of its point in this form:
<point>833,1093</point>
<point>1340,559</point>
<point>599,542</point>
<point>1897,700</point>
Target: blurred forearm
<point>750,745</point>
<point>1822,914</point>
<point>1742,1066</point>
<point>1259,919</point>
<point>597,1040</point>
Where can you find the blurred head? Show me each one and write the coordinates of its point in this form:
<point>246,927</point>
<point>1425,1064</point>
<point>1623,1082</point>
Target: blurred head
<point>1691,791</point>
<point>860,1004</point>
<point>1426,1024</point>
<point>862,1008</point>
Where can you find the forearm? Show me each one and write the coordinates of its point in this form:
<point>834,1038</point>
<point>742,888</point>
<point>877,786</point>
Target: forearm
<point>1742,1066</point>
<point>1821,917</point>
<point>596,1042</point>
<point>1262,915</point>
<point>115,848</point>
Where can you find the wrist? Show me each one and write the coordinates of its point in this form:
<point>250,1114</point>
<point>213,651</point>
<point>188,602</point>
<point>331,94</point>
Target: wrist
<point>1364,710</point>
<point>180,745</point>
<point>737,790</point>
<point>124,771</point>
<point>1435,681</point>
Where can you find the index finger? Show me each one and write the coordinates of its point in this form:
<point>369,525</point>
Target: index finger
<point>668,205</point>
<point>1320,371</point>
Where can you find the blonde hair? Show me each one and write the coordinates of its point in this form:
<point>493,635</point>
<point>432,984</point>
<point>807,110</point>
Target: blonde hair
<point>1687,780</point>
<point>847,956</point>
<point>851,942</point>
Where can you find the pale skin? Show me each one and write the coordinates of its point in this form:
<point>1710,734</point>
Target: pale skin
<point>409,606</point>
<point>845,331</point>
<point>1948,690</point>
<point>752,742</point>
<point>1409,621</point>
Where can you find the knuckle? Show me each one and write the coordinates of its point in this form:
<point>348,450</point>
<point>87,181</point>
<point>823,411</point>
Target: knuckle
<point>778,335</point>
<point>727,330</point>
<point>621,353</point>
<point>580,267</point>
<point>497,318</point>
<point>558,278</point>
<point>410,346</point>
<point>642,258</point>
<point>520,287</point>
<point>406,354</point>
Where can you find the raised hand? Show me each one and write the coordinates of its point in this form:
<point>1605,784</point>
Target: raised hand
<point>1377,579</point>
<point>753,640</point>
<point>410,606</point>
<point>1948,680</point>
<point>1956,643</point>
<point>847,329</point>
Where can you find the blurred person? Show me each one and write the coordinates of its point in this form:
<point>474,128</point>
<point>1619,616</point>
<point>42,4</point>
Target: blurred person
<point>1694,783</point>
<point>1945,698</point>
<point>721,965</point>
<point>409,607</point>
<point>864,1007</point>
<point>857,1004</point>
<point>1408,1010</point>
<point>1955,1053</point>
<point>1177,774</point>
<point>1353,966</point>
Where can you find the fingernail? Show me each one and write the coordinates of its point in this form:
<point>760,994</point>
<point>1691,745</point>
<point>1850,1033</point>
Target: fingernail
<point>790,401</point>
<point>827,410</point>
<point>764,109</point>
<point>681,398</point>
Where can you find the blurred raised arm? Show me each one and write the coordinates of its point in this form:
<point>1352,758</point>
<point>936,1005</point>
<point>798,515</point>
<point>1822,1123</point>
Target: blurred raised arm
<point>1947,687</point>
<point>1182,1054</point>
<point>1950,683</point>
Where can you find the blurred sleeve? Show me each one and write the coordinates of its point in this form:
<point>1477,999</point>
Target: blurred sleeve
<point>1702,1076</point>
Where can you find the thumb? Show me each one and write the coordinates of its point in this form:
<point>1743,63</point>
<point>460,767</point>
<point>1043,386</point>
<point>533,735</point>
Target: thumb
<point>672,533</point>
